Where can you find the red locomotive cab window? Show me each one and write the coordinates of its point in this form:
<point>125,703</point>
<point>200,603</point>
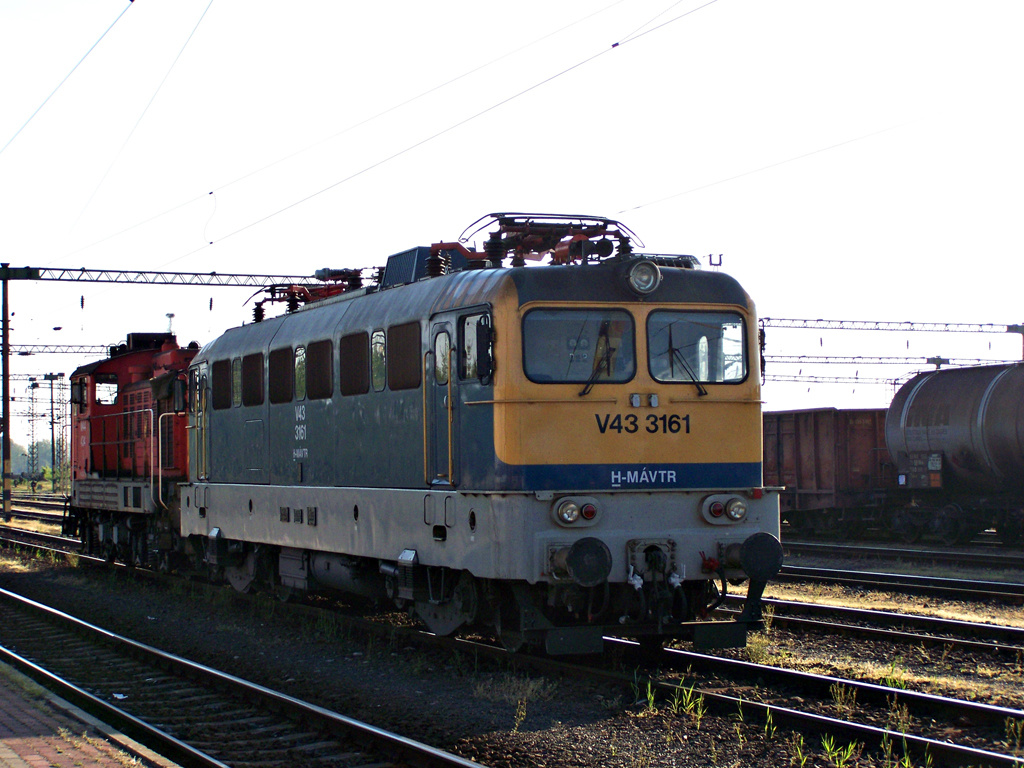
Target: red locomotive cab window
<point>79,395</point>
<point>106,388</point>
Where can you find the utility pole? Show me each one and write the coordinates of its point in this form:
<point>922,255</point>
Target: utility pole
<point>52,377</point>
<point>33,446</point>
<point>7,403</point>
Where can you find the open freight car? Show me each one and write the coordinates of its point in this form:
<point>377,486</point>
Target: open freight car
<point>834,468</point>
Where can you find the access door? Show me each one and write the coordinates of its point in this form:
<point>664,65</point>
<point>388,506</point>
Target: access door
<point>441,388</point>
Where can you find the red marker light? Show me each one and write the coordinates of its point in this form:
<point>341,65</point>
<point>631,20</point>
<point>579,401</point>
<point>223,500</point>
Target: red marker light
<point>589,511</point>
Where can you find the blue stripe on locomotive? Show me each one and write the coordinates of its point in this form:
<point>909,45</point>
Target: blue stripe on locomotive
<point>628,476</point>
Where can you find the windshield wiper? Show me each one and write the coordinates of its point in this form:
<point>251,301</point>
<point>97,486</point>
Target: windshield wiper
<point>676,354</point>
<point>600,361</point>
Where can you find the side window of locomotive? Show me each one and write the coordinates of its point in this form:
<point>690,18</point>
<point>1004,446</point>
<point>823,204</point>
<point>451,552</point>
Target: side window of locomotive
<point>236,382</point>
<point>319,383</point>
<point>378,361</point>
<point>106,388</point>
<point>469,350</point>
<point>442,357</point>
<point>221,377</point>
<point>706,347</point>
<point>252,379</point>
<point>300,373</point>
<point>354,370</point>
<point>404,356</point>
<point>279,375</point>
<point>579,345</point>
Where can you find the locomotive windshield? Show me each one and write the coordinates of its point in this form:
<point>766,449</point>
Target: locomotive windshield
<point>702,347</point>
<point>578,346</point>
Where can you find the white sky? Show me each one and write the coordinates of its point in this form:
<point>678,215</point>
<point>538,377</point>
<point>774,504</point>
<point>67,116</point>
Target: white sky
<point>850,160</point>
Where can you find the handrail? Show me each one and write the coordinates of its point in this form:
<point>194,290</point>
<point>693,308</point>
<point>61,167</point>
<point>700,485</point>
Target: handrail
<point>450,406</point>
<point>126,439</point>
<point>160,458</point>
<point>426,439</point>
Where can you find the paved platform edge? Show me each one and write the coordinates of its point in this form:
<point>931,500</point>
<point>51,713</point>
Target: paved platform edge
<point>115,737</point>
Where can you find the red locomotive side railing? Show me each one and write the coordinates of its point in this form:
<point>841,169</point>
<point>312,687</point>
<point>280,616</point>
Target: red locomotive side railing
<point>124,446</point>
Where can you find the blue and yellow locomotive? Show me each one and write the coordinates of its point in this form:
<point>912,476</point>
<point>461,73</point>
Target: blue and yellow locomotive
<point>559,452</point>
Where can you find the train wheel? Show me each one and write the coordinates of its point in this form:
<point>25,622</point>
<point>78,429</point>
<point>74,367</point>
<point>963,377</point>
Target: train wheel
<point>508,622</point>
<point>1011,529</point>
<point>444,618</point>
<point>242,576</point>
<point>907,526</point>
<point>949,525</point>
<point>651,645</point>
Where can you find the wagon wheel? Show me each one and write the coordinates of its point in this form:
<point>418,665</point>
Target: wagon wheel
<point>1011,529</point>
<point>949,524</point>
<point>651,645</point>
<point>907,526</point>
<point>508,623</point>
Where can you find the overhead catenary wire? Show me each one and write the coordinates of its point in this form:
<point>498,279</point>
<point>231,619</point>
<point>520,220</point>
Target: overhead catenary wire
<point>444,131</point>
<point>764,167</point>
<point>145,109</point>
<point>61,83</point>
<point>889,325</point>
<point>874,360</point>
<point>353,126</point>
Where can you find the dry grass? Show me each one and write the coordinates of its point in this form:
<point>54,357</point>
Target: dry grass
<point>513,689</point>
<point>10,562</point>
<point>36,526</point>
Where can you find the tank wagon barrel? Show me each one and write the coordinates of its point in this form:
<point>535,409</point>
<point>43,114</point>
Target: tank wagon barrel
<point>961,427</point>
<point>535,450</point>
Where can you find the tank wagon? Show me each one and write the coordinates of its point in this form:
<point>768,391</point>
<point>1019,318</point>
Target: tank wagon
<point>557,452</point>
<point>944,461</point>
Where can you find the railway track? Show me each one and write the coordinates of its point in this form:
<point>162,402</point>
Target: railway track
<point>188,712</point>
<point>913,726</point>
<point>973,557</point>
<point>973,728</point>
<point>896,628</point>
<point>13,535</point>
<point>950,731</point>
<point>958,589</point>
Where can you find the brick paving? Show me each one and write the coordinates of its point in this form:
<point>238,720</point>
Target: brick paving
<point>36,732</point>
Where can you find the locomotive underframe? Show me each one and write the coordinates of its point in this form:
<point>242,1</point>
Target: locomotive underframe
<point>122,520</point>
<point>446,556</point>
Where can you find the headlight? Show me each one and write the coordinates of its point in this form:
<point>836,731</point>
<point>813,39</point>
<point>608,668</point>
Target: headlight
<point>736,509</point>
<point>568,512</point>
<point>644,277</point>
